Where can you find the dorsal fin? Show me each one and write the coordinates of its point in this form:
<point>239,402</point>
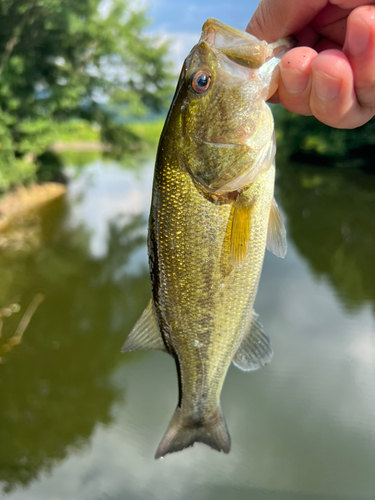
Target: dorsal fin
<point>255,349</point>
<point>276,235</point>
<point>145,334</point>
<point>241,225</point>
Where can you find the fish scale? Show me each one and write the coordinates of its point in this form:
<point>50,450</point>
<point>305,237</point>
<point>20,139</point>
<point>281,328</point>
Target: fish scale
<point>195,259</point>
<point>212,216</point>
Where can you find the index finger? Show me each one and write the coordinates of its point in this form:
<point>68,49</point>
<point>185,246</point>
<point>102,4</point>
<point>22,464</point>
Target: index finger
<point>295,14</point>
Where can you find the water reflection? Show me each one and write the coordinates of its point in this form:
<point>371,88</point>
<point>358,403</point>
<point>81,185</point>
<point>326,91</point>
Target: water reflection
<point>80,420</point>
<point>330,215</point>
<point>55,387</point>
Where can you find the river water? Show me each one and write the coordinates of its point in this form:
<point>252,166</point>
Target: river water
<point>79,420</point>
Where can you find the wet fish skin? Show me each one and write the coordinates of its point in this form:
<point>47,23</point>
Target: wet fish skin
<point>208,228</point>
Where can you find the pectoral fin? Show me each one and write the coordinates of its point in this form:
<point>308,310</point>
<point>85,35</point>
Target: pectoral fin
<point>145,334</point>
<point>255,349</point>
<point>241,225</point>
<point>276,236</point>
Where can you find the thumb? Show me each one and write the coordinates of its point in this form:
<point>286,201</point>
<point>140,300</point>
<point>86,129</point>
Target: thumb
<point>275,19</point>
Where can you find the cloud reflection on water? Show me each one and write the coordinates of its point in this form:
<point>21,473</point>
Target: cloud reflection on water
<point>300,427</point>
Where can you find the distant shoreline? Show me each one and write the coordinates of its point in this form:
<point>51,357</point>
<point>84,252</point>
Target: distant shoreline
<point>80,146</point>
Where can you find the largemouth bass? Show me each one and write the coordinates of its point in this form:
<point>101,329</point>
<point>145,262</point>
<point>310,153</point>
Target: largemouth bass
<point>212,216</point>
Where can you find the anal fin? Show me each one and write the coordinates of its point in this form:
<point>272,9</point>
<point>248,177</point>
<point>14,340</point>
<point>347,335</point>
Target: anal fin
<point>276,235</point>
<point>145,334</point>
<point>241,226</point>
<point>255,349</point>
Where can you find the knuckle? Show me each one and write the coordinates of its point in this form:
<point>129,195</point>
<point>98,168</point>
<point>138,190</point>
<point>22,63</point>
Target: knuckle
<point>348,120</point>
<point>366,95</point>
<point>299,105</point>
<point>260,24</point>
<point>328,115</point>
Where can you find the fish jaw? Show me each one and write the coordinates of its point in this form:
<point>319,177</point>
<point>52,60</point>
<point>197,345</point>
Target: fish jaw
<point>237,45</point>
<point>241,47</point>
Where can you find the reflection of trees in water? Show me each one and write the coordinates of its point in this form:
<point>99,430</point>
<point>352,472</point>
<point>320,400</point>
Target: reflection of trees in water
<point>55,387</point>
<point>331,221</point>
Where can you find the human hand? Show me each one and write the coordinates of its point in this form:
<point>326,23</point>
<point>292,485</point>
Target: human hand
<point>331,72</point>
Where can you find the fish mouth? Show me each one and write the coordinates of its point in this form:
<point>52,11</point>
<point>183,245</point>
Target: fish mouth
<point>241,47</point>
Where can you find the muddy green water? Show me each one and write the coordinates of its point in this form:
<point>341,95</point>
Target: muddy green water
<point>79,420</point>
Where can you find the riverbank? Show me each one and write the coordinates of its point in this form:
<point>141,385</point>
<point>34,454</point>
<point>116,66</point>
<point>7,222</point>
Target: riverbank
<point>47,160</point>
<point>21,201</point>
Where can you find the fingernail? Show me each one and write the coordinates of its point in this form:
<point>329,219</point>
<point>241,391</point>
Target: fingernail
<point>326,87</point>
<point>358,36</point>
<point>294,81</point>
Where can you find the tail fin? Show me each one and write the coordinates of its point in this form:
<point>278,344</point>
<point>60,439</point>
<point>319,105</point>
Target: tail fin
<point>182,433</point>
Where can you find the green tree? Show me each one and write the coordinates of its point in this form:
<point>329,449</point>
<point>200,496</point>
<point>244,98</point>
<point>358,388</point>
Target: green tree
<point>305,139</point>
<point>60,60</point>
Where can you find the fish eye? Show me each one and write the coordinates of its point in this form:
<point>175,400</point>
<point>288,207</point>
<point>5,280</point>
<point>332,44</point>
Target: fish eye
<point>200,81</point>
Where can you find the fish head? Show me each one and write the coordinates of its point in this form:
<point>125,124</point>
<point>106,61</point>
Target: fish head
<point>224,126</point>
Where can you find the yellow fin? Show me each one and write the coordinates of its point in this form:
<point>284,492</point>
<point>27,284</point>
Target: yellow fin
<point>276,236</point>
<point>241,225</point>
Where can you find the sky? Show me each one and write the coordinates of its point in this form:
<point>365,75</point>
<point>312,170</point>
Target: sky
<point>180,16</point>
<point>181,21</point>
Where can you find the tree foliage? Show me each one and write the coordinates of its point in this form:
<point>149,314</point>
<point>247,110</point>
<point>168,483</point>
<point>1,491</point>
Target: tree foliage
<point>305,139</point>
<point>67,59</point>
